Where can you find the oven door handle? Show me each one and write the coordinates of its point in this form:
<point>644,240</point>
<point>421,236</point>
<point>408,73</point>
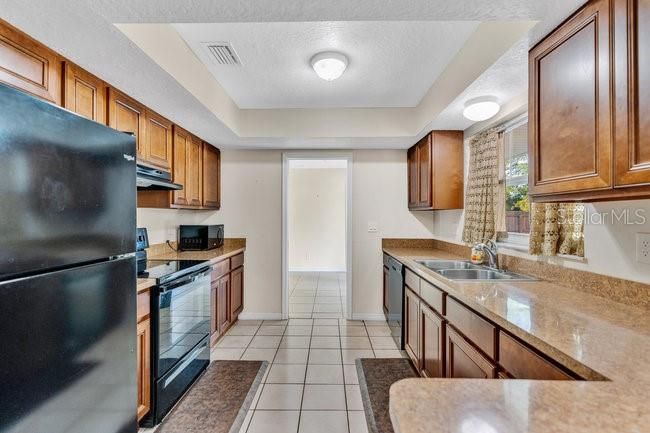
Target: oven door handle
<point>187,279</point>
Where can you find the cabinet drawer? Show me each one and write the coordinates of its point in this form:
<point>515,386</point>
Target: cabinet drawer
<point>432,296</point>
<point>220,268</point>
<point>464,361</point>
<point>412,280</point>
<point>143,306</point>
<point>478,330</point>
<point>522,362</point>
<point>236,261</point>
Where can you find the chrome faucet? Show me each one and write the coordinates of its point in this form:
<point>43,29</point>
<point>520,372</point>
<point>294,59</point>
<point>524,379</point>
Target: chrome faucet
<point>490,249</point>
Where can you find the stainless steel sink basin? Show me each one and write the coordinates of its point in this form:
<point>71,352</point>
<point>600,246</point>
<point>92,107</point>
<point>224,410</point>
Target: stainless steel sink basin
<point>436,265</point>
<point>480,274</point>
<point>461,270</point>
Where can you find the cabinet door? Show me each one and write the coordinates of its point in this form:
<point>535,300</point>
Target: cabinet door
<point>179,165</point>
<point>424,172</point>
<point>464,361</point>
<point>211,177</point>
<point>28,65</point>
<point>158,148</point>
<point>193,172</point>
<point>411,320</point>
<point>223,304</point>
<point>84,94</point>
<point>128,115</point>
<point>236,293</point>
<point>632,84</point>
<point>412,163</point>
<point>385,296</point>
<point>432,343</point>
<point>144,367</point>
<point>570,146</point>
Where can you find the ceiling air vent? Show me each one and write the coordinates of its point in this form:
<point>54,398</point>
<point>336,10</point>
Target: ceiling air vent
<point>222,53</point>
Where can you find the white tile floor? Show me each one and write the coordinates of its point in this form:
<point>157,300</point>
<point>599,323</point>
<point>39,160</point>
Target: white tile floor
<point>311,385</point>
<point>317,295</point>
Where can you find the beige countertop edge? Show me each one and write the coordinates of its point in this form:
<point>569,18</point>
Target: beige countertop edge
<point>215,255</point>
<point>145,283</point>
<point>614,339</point>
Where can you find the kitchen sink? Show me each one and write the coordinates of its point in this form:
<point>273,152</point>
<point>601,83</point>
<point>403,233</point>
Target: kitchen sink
<point>460,270</point>
<point>436,265</point>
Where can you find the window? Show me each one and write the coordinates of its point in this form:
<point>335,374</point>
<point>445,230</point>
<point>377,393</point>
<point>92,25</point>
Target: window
<point>515,178</point>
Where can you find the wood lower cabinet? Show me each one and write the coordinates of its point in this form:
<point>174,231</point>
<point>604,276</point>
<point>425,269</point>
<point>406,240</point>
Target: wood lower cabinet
<point>227,294</point>
<point>84,93</point>
<point>445,338</point>
<point>236,292</point>
<point>435,171</point>
<point>589,105</point>
<point>432,342</point>
<point>464,361</point>
<point>211,165</point>
<point>143,344</point>
<point>28,65</point>
<point>411,326</point>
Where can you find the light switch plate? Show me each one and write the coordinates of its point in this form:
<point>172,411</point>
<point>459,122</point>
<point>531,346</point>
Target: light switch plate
<point>372,227</point>
<point>643,248</point>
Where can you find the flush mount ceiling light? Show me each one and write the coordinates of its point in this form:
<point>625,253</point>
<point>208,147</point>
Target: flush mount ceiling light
<point>329,65</point>
<point>479,109</point>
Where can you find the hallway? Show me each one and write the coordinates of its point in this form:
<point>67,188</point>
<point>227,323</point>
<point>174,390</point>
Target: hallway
<point>318,295</point>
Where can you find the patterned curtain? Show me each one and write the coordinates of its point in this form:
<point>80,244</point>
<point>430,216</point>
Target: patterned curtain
<point>557,228</point>
<point>485,188</point>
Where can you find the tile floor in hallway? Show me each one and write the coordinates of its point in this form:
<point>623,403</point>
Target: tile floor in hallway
<point>317,294</point>
<point>311,385</point>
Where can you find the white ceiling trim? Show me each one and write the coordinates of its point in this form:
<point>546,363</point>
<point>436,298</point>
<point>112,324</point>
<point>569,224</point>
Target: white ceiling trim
<point>167,48</point>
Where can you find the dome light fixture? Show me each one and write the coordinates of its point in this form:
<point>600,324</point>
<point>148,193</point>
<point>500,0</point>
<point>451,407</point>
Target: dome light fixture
<point>329,65</point>
<point>482,108</point>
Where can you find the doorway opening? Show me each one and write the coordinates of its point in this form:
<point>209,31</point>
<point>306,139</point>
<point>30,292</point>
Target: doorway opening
<point>316,237</point>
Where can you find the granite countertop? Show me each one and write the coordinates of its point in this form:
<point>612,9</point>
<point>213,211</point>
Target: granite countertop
<point>145,283</point>
<point>592,336</point>
<point>214,255</point>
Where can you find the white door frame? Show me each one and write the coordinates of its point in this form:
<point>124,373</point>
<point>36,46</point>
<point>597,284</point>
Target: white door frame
<point>286,157</point>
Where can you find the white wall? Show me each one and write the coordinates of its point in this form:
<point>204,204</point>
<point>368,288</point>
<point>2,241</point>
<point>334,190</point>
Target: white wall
<point>316,214</point>
<point>251,208</point>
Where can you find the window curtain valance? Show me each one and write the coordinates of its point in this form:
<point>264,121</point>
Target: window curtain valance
<point>557,228</point>
<point>485,191</point>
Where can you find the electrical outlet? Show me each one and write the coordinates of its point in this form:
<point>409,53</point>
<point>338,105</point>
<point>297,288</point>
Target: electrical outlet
<point>643,248</point>
<point>372,227</point>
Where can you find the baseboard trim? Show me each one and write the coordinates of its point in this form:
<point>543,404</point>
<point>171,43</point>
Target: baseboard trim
<point>260,316</point>
<point>368,316</point>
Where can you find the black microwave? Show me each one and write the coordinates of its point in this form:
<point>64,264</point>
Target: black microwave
<point>200,237</point>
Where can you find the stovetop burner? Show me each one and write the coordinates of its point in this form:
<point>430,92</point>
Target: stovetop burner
<point>167,270</point>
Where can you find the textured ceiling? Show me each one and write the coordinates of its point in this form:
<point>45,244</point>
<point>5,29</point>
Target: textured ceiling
<point>392,64</point>
<point>83,31</point>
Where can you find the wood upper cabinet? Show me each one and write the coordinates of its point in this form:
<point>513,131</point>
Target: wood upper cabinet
<point>181,142</point>
<point>464,361</point>
<point>128,115</point>
<point>435,171</point>
<point>159,137</point>
<point>211,164</point>
<point>143,344</point>
<point>432,343</point>
<point>411,326</point>
<point>589,105</point>
<point>194,170</point>
<point>84,93</point>
<point>28,65</point>
<point>632,88</point>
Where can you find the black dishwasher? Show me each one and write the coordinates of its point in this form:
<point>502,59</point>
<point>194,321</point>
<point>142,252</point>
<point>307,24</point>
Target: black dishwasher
<point>395,301</point>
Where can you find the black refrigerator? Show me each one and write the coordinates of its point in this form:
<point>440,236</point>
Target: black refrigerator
<point>67,271</point>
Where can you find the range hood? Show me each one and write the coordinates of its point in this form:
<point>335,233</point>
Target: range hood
<point>154,179</point>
